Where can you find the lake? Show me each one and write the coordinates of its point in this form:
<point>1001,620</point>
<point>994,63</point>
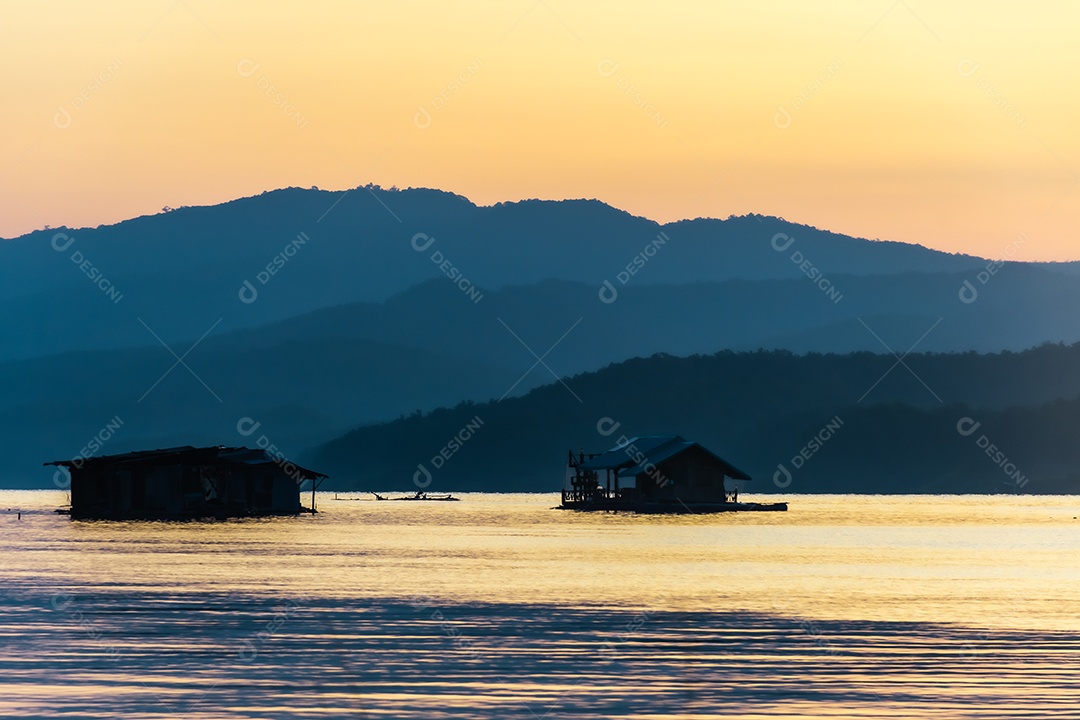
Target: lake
<point>498,606</point>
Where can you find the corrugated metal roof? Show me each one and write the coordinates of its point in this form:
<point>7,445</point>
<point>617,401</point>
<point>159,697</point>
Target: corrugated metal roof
<point>631,457</point>
<point>193,455</point>
<point>136,455</point>
<point>659,455</point>
<point>621,455</point>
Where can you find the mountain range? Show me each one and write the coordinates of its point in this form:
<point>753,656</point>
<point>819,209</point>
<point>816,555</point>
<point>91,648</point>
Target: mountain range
<point>313,313</point>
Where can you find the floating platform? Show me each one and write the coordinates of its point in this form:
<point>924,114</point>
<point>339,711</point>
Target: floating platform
<point>670,508</point>
<point>187,483</point>
<point>654,475</point>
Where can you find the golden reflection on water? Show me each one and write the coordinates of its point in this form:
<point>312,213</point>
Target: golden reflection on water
<point>500,606</point>
<point>982,561</point>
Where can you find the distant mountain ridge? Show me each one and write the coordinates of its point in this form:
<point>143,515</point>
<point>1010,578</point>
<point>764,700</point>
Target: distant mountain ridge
<point>301,250</point>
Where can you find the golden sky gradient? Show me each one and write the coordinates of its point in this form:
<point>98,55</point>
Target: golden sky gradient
<point>950,126</point>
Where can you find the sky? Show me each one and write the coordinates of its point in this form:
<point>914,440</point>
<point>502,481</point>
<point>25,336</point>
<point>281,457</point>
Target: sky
<point>951,126</point>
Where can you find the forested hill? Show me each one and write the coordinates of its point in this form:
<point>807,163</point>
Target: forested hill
<point>300,250</point>
<point>866,423</point>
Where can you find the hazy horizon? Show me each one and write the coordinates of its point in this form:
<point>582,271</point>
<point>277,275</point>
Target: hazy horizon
<point>908,122</point>
<point>1009,253</point>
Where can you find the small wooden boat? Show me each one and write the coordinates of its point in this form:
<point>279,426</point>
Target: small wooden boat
<point>420,496</point>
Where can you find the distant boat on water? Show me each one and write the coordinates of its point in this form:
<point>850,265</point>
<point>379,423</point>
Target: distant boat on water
<point>420,496</point>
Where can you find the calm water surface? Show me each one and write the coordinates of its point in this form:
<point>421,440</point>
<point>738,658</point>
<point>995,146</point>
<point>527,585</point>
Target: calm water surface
<point>498,606</point>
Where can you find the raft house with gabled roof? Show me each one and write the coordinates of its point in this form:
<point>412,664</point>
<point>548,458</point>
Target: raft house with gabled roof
<point>187,483</point>
<point>656,474</point>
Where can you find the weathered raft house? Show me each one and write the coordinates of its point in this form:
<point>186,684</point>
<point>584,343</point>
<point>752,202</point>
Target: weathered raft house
<point>187,482</point>
<point>656,474</point>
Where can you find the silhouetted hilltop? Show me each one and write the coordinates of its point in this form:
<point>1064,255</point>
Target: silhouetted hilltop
<point>301,250</point>
<point>878,427</point>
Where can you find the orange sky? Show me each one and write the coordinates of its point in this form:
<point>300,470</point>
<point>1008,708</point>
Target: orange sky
<point>954,127</point>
